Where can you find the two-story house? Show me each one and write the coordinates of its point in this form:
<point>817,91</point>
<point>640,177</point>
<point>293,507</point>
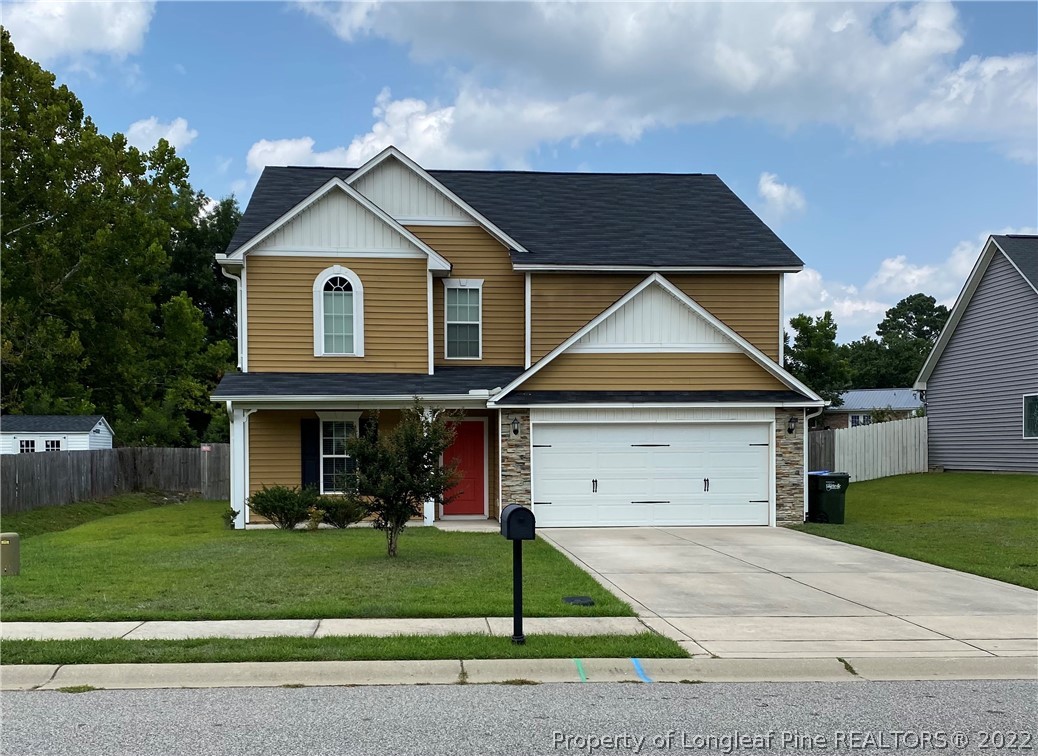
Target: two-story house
<point>613,339</point>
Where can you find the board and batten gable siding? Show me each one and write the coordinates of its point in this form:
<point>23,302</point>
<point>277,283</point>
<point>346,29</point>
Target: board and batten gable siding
<point>473,253</point>
<point>281,317</point>
<point>668,371</point>
<point>405,195</point>
<point>974,395</point>
<point>337,222</point>
<point>562,303</point>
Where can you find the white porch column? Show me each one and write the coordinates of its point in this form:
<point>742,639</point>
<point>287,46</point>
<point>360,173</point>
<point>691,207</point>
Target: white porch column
<point>239,485</point>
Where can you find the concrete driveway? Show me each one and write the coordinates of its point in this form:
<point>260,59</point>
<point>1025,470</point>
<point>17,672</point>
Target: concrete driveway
<point>772,592</point>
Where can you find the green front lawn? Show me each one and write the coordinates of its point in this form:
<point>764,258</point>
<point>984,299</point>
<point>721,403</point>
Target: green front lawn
<point>178,562</point>
<point>52,519</point>
<point>644,645</point>
<point>975,522</point>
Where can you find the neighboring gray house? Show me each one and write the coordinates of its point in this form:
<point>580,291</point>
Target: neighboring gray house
<point>859,404</point>
<point>980,382</point>
<point>20,434</point>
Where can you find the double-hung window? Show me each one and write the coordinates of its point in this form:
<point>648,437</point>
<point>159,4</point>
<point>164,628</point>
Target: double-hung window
<point>336,464</point>
<point>26,446</point>
<point>338,313</point>
<point>463,319</point>
<point>1030,415</point>
<point>52,445</point>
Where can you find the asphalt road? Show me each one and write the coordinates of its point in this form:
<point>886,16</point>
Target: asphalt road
<point>979,717</point>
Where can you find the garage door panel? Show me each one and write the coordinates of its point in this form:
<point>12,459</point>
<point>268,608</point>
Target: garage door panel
<point>651,474</point>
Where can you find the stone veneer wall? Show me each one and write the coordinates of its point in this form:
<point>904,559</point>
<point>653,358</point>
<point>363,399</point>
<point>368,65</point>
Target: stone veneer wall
<point>789,468</point>
<point>515,459</point>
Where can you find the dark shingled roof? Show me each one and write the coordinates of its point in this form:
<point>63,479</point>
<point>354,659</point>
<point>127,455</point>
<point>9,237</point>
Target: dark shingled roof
<point>48,423</point>
<point>1023,251</point>
<point>447,380</point>
<point>643,219</point>
<point>530,398</point>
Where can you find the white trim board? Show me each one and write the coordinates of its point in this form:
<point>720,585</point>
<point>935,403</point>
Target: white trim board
<point>656,279</point>
<point>436,261</point>
<point>393,152</point>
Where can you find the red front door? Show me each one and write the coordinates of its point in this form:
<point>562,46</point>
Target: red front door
<point>469,449</point>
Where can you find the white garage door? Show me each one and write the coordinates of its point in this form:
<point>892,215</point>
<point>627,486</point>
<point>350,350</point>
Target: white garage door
<point>650,474</point>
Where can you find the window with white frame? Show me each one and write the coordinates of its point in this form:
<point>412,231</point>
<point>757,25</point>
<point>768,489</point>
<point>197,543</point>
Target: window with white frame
<point>52,445</point>
<point>26,446</point>
<point>1030,415</point>
<point>463,319</point>
<point>338,313</point>
<point>336,464</point>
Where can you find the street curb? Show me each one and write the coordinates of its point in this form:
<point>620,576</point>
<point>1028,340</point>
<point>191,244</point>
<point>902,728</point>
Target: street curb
<point>508,671</point>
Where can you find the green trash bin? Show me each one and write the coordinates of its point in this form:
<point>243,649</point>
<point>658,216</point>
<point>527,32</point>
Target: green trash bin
<point>826,494</point>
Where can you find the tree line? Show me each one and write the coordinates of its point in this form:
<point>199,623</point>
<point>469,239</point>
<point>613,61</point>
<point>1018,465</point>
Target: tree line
<point>112,302</point>
<point>905,337</point>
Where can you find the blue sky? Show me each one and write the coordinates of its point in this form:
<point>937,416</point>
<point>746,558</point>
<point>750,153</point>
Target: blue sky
<point>881,142</point>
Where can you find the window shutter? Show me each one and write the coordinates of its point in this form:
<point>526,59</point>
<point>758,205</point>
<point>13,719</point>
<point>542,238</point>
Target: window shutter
<point>310,445</point>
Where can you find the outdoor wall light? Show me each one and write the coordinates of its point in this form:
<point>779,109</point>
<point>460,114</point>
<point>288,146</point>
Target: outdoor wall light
<point>515,426</point>
<point>791,426</point>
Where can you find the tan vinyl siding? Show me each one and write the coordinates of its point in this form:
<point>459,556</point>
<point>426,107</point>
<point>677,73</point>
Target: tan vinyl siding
<point>562,303</point>
<point>474,253</point>
<point>281,319</point>
<point>275,452</point>
<point>652,372</point>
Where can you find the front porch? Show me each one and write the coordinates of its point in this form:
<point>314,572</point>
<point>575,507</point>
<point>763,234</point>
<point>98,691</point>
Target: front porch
<point>304,447</point>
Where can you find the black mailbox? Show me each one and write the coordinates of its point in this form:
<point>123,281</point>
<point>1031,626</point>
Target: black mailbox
<point>517,523</point>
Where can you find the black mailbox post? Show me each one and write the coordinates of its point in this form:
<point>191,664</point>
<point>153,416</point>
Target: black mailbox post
<point>517,525</point>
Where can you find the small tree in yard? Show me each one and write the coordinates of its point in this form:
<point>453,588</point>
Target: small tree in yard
<point>397,471</point>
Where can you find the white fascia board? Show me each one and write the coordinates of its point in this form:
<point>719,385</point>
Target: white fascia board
<point>228,262</point>
<point>436,261</point>
<point>482,220</point>
<point>957,311</point>
<point>751,351</point>
<point>549,268</point>
<point>637,405</point>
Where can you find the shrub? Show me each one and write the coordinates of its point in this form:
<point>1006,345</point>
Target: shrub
<point>314,516</point>
<point>341,512</point>
<point>229,516</point>
<point>284,507</point>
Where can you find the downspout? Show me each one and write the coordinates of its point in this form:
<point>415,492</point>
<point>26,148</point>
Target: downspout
<point>237,311</point>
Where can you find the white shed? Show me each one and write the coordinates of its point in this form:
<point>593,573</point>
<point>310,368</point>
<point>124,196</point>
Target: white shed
<point>42,433</point>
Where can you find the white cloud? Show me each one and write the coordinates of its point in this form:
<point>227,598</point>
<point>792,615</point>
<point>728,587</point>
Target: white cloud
<point>550,72</point>
<point>780,200</point>
<point>49,30</point>
<point>146,133</point>
<point>858,311</point>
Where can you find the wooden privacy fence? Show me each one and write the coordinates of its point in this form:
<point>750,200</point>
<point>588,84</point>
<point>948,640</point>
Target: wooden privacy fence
<point>48,479</point>
<point>871,451</point>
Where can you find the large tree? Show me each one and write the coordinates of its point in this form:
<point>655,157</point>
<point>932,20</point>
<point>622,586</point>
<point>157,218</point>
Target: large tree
<point>814,357</point>
<point>89,320</point>
<point>906,336</point>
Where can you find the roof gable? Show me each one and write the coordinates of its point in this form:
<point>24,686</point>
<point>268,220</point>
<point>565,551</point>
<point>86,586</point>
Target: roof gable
<point>716,325</point>
<point>352,196</point>
<point>393,155</point>
<point>994,246</point>
<point>406,195</point>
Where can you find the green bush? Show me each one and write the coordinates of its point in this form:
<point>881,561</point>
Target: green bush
<point>229,516</point>
<point>285,507</point>
<point>341,512</point>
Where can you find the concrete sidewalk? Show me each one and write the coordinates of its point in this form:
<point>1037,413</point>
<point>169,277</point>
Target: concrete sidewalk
<point>506,671</point>
<point>317,628</point>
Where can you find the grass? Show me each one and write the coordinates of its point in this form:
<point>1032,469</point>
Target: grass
<point>54,519</point>
<point>980,523</point>
<point>178,562</point>
<point>360,648</point>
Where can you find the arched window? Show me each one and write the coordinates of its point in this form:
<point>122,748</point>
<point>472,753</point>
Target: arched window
<point>338,313</point>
